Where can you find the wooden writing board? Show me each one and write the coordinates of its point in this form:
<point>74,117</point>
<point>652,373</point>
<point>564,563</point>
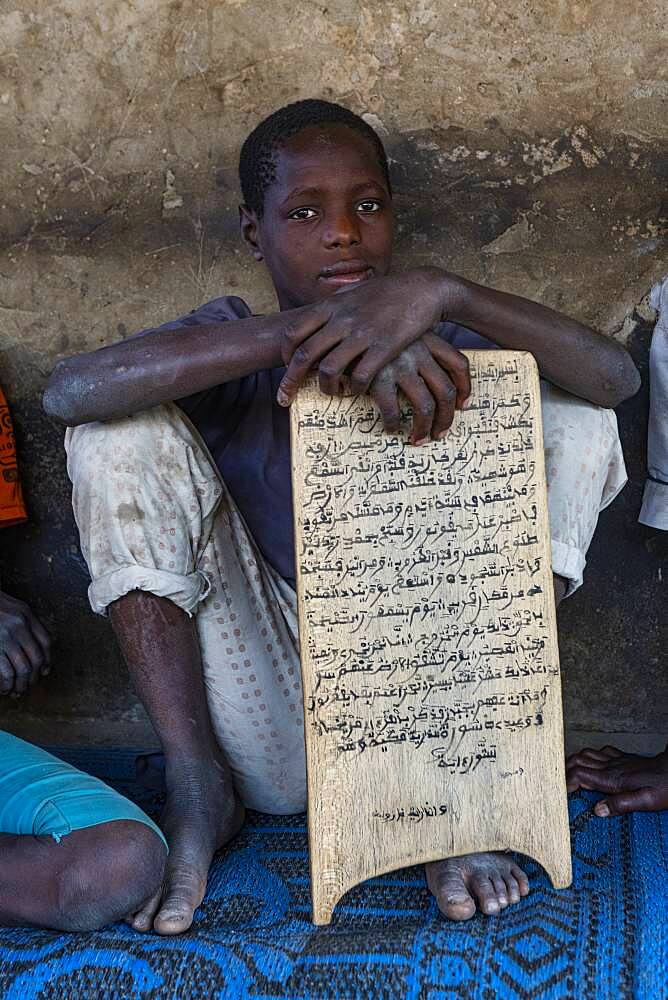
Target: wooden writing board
<point>428,637</point>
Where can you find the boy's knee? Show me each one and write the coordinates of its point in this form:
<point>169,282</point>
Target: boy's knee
<point>127,445</point>
<point>142,869</point>
<point>143,860</point>
<point>152,460</point>
<point>576,431</point>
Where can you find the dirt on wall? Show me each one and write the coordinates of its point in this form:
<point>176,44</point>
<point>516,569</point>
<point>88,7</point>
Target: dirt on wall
<point>528,151</point>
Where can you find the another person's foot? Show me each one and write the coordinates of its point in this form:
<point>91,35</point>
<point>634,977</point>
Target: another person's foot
<point>629,782</point>
<point>200,816</point>
<point>488,882</point>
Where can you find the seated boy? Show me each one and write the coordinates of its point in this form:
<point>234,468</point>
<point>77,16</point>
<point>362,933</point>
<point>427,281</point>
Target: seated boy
<point>74,854</point>
<point>184,510</point>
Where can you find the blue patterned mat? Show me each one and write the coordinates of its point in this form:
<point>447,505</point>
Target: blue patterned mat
<point>603,938</point>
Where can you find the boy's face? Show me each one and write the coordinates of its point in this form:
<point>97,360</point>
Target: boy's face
<point>328,218</point>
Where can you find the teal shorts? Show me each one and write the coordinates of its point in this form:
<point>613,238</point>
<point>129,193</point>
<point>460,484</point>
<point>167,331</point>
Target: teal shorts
<point>43,796</point>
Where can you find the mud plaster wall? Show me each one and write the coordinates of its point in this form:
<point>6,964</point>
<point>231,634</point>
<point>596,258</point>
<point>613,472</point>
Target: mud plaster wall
<point>528,151</point>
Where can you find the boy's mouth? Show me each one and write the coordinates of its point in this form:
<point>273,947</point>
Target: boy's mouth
<point>345,272</point>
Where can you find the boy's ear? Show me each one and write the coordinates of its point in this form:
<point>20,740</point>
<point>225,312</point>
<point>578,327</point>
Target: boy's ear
<point>250,231</point>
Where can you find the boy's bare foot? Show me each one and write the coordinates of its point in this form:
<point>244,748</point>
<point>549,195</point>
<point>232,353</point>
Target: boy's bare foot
<point>488,882</point>
<point>630,782</point>
<point>201,815</point>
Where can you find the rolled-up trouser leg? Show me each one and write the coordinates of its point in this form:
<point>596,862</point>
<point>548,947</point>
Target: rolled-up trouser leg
<point>585,471</point>
<point>154,515</point>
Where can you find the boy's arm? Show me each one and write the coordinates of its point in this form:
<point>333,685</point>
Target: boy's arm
<point>162,366</point>
<point>165,365</point>
<point>569,354</point>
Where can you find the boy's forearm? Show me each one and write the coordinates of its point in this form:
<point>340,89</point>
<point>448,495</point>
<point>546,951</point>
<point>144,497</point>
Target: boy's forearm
<point>160,367</point>
<point>568,354</point>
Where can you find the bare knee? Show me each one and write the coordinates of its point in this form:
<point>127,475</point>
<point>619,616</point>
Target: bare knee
<point>115,868</point>
<point>141,866</point>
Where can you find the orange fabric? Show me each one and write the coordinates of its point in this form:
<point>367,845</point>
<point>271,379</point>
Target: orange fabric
<point>12,507</point>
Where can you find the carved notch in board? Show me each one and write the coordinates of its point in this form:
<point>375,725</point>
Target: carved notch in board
<point>430,664</point>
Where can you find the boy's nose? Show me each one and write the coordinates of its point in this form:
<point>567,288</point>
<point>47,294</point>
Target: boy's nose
<point>343,231</point>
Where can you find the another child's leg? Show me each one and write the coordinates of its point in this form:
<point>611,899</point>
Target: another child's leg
<point>74,854</point>
<point>93,877</point>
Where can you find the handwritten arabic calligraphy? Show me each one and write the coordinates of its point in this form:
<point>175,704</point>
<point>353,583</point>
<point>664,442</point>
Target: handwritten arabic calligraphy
<point>412,814</point>
<point>436,549</point>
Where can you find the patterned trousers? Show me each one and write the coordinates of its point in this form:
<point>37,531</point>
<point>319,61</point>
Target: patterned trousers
<point>154,515</point>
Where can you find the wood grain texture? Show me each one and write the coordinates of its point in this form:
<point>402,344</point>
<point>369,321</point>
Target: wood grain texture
<point>428,635</point>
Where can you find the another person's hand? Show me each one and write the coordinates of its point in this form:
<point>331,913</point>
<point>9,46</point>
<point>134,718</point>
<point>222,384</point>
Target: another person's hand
<point>630,783</point>
<point>434,377</point>
<point>365,328</point>
<point>25,646</point>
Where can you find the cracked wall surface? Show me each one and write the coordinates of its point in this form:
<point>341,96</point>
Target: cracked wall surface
<point>528,151</point>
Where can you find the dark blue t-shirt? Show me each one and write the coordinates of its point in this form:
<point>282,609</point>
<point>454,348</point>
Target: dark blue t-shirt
<point>248,435</point>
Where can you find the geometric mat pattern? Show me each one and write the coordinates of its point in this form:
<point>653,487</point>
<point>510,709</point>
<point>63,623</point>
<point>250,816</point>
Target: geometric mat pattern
<point>604,938</point>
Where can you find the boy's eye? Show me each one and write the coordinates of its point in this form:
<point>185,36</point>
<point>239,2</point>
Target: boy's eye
<point>302,213</point>
<point>369,205</point>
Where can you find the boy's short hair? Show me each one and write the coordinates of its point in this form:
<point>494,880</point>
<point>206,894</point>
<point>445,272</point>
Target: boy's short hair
<point>257,162</point>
